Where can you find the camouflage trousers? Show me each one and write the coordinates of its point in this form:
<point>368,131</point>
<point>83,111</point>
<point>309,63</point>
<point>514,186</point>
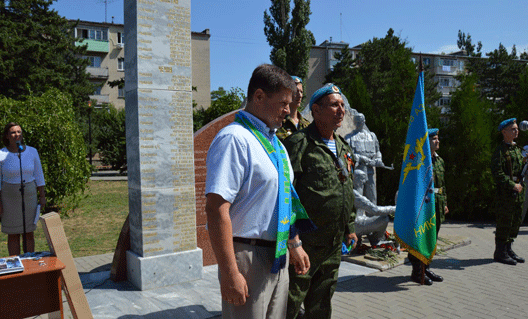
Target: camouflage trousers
<point>317,287</point>
<point>509,219</point>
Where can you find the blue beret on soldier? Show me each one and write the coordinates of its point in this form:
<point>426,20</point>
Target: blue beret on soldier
<point>506,123</point>
<point>324,91</point>
<point>432,132</point>
<point>296,79</point>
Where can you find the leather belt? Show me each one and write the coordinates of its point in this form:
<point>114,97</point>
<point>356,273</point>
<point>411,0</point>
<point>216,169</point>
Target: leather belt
<point>255,242</point>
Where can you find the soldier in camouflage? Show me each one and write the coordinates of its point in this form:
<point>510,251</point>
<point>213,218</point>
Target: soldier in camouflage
<point>440,208</point>
<point>323,165</point>
<point>293,122</point>
<point>506,168</point>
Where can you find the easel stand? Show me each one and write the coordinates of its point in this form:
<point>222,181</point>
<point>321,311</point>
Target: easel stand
<point>72,286</point>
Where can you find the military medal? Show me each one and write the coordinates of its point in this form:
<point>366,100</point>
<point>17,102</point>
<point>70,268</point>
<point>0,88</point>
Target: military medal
<point>350,162</point>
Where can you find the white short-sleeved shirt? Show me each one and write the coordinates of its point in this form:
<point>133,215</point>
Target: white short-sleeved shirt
<point>240,170</point>
<point>31,167</point>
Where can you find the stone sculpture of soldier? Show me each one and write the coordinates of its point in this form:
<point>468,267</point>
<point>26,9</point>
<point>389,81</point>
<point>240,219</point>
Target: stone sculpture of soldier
<point>367,157</point>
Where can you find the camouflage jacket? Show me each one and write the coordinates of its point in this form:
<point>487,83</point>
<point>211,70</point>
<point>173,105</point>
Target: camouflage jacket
<point>506,167</point>
<point>440,187</point>
<point>325,185</point>
<point>288,127</point>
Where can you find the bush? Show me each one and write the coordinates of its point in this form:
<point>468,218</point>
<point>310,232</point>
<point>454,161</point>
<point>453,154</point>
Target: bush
<point>50,126</point>
<point>110,136</point>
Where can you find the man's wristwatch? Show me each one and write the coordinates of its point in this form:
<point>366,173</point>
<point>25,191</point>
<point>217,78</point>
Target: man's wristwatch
<point>295,245</point>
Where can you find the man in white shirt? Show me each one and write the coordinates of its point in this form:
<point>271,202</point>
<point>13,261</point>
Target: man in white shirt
<point>243,186</point>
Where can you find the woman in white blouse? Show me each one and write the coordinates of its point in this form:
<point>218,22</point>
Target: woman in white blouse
<point>10,198</point>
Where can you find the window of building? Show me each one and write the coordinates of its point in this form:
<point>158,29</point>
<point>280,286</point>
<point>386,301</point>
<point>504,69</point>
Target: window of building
<point>444,82</point>
<point>120,38</point>
<point>100,34</point>
<point>120,64</point>
<point>95,61</point>
<point>426,61</point>
<point>121,92</point>
<point>447,62</point>
<point>98,90</point>
<point>82,33</point>
<point>444,101</point>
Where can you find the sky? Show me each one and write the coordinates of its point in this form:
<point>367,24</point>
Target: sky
<point>238,43</point>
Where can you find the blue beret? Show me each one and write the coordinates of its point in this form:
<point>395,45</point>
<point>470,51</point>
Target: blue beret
<point>506,123</point>
<point>296,79</point>
<point>324,91</point>
<point>432,132</point>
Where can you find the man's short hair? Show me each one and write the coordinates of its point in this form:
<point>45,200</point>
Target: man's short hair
<point>270,79</point>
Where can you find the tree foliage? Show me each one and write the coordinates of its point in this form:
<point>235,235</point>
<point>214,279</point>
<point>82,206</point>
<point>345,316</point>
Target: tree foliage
<point>222,102</point>
<point>380,83</point>
<point>519,106</point>
<point>289,39</point>
<point>465,43</point>
<point>467,145</point>
<point>50,126</point>
<point>497,75</point>
<point>38,52</point>
<point>111,136</point>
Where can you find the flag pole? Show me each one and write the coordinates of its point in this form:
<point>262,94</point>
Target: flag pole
<point>422,268</point>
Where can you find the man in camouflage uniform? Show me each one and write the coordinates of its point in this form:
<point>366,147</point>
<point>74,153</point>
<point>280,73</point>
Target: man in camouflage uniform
<point>440,207</point>
<point>293,122</point>
<point>506,168</point>
<point>323,165</point>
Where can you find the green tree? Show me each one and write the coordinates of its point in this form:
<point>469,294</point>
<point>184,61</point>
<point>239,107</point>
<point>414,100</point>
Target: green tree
<point>519,106</point>
<point>111,136</point>
<point>465,43</point>
<point>467,145</point>
<point>50,126</point>
<point>497,75</point>
<point>289,39</point>
<point>38,52</point>
<point>222,102</point>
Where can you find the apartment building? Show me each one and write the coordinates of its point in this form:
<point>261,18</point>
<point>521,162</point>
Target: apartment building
<point>106,52</point>
<point>444,67</point>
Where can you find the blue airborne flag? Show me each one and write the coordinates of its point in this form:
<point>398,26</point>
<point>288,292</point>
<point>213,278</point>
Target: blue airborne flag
<point>415,219</point>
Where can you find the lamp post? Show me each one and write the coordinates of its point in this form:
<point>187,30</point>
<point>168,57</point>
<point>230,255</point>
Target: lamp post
<point>90,131</point>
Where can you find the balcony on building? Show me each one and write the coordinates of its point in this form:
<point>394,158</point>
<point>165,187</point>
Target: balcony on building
<point>94,45</point>
<point>95,37</point>
<point>97,73</point>
<point>101,98</point>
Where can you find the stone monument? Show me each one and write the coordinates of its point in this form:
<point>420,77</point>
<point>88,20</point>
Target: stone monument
<point>159,135</point>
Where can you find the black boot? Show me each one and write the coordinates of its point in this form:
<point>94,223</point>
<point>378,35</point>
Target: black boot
<point>416,274</point>
<point>501,255</point>
<point>432,275</point>
<point>512,254</point>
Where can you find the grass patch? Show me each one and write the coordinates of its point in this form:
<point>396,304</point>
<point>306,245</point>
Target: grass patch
<point>93,228</point>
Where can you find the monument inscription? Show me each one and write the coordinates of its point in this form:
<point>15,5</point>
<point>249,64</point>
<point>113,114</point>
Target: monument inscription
<point>160,143</point>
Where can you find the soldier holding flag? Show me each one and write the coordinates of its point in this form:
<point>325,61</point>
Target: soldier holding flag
<point>440,207</point>
<point>415,219</point>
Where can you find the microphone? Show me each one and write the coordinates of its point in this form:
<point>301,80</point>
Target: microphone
<point>523,126</point>
<point>19,146</point>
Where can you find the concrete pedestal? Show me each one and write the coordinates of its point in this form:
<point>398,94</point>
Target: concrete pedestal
<point>164,270</point>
